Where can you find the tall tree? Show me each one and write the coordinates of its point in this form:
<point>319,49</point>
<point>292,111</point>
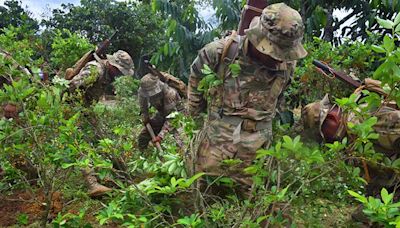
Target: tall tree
<point>187,32</point>
<point>318,17</point>
<point>13,14</point>
<point>138,29</point>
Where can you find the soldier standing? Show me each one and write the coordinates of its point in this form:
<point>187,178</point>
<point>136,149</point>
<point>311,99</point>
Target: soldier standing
<point>93,79</point>
<point>165,99</point>
<point>241,109</point>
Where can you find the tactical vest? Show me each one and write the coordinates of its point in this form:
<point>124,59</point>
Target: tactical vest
<point>254,93</point>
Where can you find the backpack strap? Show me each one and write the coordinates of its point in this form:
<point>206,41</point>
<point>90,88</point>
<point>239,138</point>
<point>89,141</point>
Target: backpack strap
<point>229,54</point>
<point>103,63</point>
<point>230,50</point>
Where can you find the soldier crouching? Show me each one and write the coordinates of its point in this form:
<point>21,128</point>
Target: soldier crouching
<point>93,79</point>
<point>165,99</point>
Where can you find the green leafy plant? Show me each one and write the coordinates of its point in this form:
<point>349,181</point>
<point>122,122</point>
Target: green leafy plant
<point>23,219</point>
<point>68,48</point>
<point>384,210</point>
<point>71,220</point>
<point>193,221</point>
<point>389,71</point>
<point>209,80</point>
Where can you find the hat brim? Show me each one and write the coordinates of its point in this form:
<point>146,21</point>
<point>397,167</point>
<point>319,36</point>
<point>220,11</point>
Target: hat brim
<point>267,47</point>
<point>124,71</point>
<point>154,91</point>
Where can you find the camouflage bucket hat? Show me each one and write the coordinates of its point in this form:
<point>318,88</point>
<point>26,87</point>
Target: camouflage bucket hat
<point>278,32</point>
<point>123,61</point>
<point>150,85</point>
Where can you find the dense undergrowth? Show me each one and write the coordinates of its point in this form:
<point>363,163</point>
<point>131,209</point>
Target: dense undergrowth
<point>295,183</point>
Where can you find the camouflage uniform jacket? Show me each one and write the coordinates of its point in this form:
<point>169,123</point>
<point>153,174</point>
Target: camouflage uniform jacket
<point>249,101</point>
<point>93,79</point>
<point>165,102</point>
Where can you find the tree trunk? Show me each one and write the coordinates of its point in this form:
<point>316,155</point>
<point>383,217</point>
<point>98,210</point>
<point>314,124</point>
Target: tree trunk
<point>303,11</point>
<point>328,30</point>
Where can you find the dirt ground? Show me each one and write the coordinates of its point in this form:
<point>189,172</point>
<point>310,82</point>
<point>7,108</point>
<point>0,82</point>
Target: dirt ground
<point>24,202</point>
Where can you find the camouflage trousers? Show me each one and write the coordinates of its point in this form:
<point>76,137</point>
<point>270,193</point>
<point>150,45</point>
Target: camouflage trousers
<point>388,128</point>
<point>157,122</point>
<point>218,141</point>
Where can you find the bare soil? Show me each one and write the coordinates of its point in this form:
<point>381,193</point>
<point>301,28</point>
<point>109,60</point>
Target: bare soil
<point>24,202</point>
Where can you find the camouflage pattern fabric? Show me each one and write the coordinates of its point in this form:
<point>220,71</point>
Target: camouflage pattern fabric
<point>278,32</point>
<point>156,122</point>
<point>165,102</point>
<point>388,143</point>
<point>388,125</point>
<point>388,128</point>
<point>93,79</point>
<point>122,61</point>
<point>249,102</point>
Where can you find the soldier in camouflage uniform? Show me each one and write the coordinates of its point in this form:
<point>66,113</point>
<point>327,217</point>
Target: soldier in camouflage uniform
<point>324,121</point>
<point>165,99</point>
<point>240,111</point>
<point>93,79</point>
<point>321,121</point>
<point>97,75</point>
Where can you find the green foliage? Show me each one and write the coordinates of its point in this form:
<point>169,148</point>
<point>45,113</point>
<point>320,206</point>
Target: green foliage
<point>295,183</point>
<point>209,80</point>
<point>22,219</point>
<point>138,29</point>
<point>179,120</point>
<point>71,220</point>
<point>228,13</point>
<point>289,148</point>
<point>309,84</point>
<point>67,48</point>
<point>360,17</point>
<point>383,211</point>
<point>172,187</point>
<point>193,221</point>
<point>22,45</point>
<point>186,33</point>
<point>126,86</point>
<point>389,72</point>
<point>297,173</point>
<point>12,14</point>
<point>174,165</point>
<point>235,69</point>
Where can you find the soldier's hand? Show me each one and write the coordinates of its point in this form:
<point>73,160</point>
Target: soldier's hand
<point>157,139</point>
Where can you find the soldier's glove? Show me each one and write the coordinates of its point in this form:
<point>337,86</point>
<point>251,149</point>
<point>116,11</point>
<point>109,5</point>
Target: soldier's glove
<point>157,139</point>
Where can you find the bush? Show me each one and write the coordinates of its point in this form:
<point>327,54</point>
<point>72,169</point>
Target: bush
<point>68,48</point>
